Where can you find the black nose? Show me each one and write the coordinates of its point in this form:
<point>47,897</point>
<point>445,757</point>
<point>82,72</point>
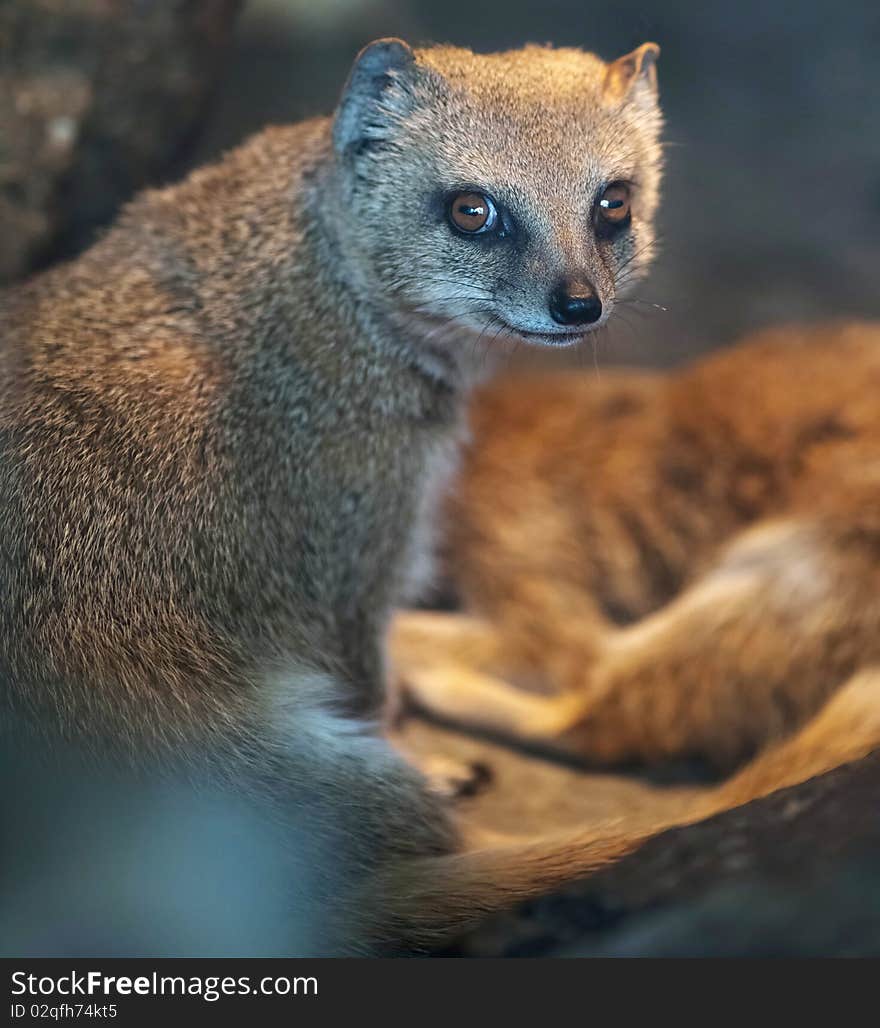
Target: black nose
<point>574,302</point>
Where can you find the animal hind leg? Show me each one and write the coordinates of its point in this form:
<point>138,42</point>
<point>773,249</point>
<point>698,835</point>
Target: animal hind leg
<point>740,659</point>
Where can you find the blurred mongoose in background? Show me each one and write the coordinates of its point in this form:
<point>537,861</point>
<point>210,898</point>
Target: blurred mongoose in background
<point>688,563</point>
<point>223,430</point>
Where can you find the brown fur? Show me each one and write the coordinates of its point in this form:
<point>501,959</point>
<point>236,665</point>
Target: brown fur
<point>451,893</point>
<point>222,429</point>
<point>689,561</point>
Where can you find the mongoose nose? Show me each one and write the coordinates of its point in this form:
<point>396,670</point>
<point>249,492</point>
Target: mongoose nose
<point>574,302</point>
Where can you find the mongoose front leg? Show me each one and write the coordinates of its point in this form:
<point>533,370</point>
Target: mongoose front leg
<point>543,636</point>
<point>420,639</point>
<point>442,663</point>
<point>460,695</point>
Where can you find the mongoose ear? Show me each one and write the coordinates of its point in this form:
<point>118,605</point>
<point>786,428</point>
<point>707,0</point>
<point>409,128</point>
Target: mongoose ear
<point>373,70</point>
<point>633,75</point>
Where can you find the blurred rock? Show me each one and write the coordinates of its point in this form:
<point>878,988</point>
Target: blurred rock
<point>97,97</point>
<point>811,916</point>
<point>793,874</point>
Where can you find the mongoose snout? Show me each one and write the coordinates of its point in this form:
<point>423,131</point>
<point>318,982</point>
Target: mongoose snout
<point>574,302</point>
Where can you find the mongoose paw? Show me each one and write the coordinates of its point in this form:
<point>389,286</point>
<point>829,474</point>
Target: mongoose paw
<point>455,779</point>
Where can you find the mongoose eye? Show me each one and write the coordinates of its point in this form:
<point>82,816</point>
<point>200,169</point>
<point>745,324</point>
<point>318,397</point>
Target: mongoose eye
<point>613,207</point>
<point>472,213</point>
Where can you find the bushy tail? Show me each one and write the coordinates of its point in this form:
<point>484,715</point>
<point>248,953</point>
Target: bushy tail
<point>421,903</point>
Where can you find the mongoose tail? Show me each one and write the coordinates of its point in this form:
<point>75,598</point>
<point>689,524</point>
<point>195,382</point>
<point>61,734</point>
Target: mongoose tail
<point>428,901</point>
<point>423,903</point>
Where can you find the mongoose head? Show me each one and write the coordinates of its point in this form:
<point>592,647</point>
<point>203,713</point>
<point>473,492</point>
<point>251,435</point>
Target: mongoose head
<point>508,194</point>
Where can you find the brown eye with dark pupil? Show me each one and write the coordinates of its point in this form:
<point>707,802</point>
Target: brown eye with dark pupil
<point>614,204</point>
<point>472,213</point>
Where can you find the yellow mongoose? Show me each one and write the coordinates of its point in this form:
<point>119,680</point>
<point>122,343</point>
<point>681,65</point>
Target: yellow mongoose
<point>690,560</point>
<point>223,429</point>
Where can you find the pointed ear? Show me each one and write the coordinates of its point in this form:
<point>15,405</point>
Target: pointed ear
<point>634,75</point>
<point>374,68</point>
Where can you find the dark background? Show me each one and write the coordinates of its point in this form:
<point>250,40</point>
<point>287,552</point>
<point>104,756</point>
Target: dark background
<point>772,197</point>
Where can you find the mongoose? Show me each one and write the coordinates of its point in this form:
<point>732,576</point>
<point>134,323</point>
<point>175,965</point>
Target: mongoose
<point>689,561</point>
<point>224,427</point>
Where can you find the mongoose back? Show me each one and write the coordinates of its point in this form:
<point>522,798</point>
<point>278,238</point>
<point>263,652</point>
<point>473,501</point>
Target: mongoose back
<point>690,559</point>
<point>222,430</point>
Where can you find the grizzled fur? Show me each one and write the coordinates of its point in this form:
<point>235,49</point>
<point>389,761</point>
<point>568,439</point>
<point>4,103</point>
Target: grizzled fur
<point>541,131</point>
<point>221,428</point>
